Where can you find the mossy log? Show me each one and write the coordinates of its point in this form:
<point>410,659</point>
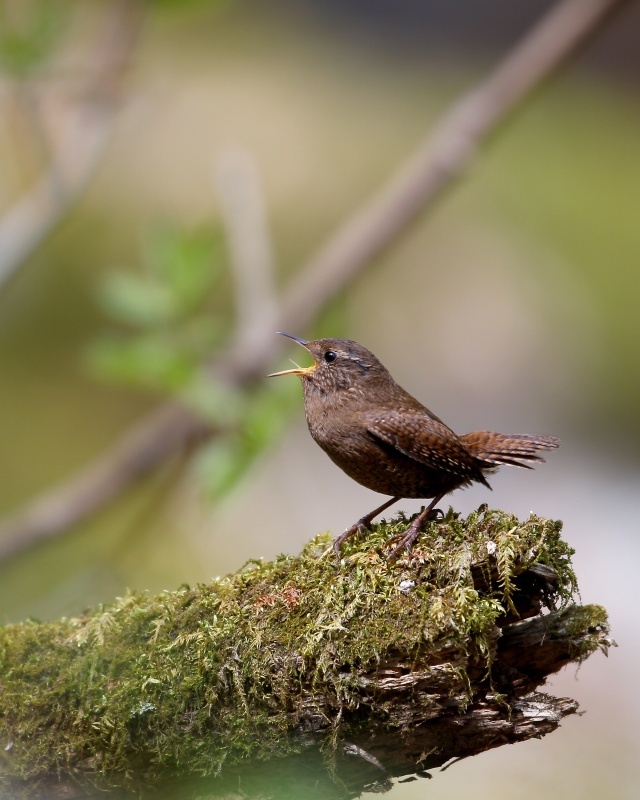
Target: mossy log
<point>360,671</point>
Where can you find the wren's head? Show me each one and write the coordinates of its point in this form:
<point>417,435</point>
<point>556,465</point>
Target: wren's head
<point>340,365</point>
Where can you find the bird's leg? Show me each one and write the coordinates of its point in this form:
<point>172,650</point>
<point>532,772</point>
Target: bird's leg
<point>361,525</point>
<point>411,534</point>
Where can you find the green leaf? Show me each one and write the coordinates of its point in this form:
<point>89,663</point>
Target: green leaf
<point>202,335</point>
<point>221,465</point>
<point>141,362</point>
<point>29,31</point>
<point>267,415</point>
<point>136,300</point>
<point>224,463</point>
<point>216,403</point>
<point>187,264</point>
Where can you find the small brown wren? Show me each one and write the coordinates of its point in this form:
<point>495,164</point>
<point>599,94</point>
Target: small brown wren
<point>383,438</point>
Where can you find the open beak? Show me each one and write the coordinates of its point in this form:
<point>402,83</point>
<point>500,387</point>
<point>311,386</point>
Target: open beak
<point>297,370</point>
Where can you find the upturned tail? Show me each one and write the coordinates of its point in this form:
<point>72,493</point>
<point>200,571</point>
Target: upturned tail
<point>517,449</point>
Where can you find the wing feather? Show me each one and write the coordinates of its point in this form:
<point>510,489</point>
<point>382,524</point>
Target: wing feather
<point>425,440</point>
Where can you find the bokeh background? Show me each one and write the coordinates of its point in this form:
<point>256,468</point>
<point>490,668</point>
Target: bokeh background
<point>512,306</point>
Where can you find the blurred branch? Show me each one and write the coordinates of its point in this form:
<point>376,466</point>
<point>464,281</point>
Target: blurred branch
<point>445,154</point>
<point>164,434</point>
<point>243,209</point>
<point>415,187</point>
<point>75,158</point>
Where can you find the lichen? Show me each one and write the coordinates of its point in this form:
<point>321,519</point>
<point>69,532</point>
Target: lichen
<point>189,680</point>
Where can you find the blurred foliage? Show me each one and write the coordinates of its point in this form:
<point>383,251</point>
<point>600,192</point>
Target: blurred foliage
<point>29,32</point>
<point>177,5</point>
<point>171,325</point>
<point>168,312</point>
<point>263,418</point>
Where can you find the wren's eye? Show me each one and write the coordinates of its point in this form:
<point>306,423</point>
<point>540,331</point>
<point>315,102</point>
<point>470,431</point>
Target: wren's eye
<point>330,356</point>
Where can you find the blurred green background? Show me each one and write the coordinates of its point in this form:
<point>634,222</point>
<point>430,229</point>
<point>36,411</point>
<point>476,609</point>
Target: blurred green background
<point>513,307</point>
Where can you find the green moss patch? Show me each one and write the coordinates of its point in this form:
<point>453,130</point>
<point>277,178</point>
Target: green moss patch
<point>190,680</point>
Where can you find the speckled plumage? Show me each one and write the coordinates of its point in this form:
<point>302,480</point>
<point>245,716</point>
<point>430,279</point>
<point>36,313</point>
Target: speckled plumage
<point>386,440</point>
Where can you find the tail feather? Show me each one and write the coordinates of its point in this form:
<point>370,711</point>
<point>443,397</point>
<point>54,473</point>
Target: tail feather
<point>517,449</point>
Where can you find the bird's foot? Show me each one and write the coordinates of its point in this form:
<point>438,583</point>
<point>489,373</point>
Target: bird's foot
<point>408,537</point>
<point>361,526</point>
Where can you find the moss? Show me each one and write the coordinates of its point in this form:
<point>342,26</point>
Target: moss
<point>584,629</point>
<point>189,680</point>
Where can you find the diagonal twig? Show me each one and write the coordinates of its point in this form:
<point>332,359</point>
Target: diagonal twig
<point>165,433</point>
<point>243,210</point>
<point>445,154</point>
<point>416,186</point>
<point>73,162</point>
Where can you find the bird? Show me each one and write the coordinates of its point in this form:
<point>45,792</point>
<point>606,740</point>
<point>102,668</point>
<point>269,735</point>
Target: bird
<point>386,440</point>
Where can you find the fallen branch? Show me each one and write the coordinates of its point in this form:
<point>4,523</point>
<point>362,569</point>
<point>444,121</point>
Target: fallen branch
<point>358,671</point>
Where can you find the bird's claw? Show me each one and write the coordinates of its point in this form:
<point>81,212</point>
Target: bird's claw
<point>406,541</point>
<point>361,526</point>
<point>408,537</point>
